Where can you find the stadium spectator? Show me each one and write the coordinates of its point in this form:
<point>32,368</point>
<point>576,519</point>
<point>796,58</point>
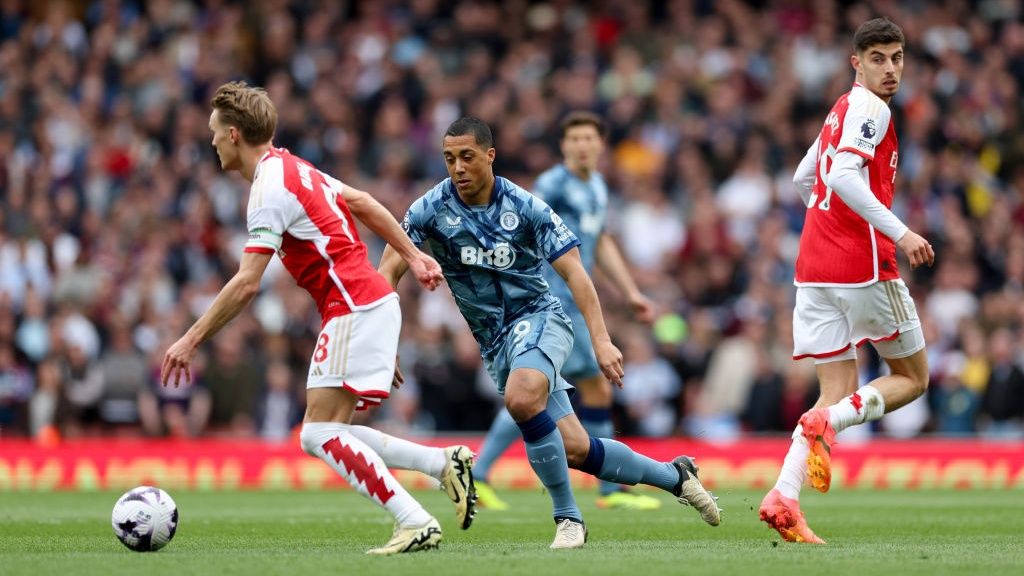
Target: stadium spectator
<point>181,412</point>
<point>233,378</point>
<point>1003,400</point>
<point>651,388</point>
<point>16,385</point>
<point>49,406</point>
<point>123,370</point>
<point>278,411</point>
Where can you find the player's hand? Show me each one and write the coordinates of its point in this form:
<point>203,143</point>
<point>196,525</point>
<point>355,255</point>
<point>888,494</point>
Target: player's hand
<point>643,308</point>
<point>917,249</point>
<point>397,380</point>
<point>610,360</point>
<point>178,362</point>
<point>427,271</point>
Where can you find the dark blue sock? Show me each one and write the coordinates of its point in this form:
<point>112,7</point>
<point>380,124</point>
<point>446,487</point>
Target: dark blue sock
<point>502,434</point>
<point>546,451</point>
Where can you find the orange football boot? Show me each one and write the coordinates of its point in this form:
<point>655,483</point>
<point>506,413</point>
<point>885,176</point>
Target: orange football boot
<point>820,437</point>
<point>784,516</point>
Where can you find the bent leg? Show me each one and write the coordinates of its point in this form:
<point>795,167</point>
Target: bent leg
<point>613,461</point>
<point>908,380</point>
<point>526,395</point>
<point>402,454</point>
<point>837,378</point>
<point>327,435</point>
<point>595,415</point>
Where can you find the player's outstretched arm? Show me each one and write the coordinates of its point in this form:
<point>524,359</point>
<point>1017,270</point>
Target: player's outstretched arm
<point>377,218</point>
<point>609,259</point>
<point>233,297</point>
<point>392,266</point>
<point>570,268</point>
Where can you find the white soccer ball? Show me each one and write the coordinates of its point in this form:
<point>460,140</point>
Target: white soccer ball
<point>144,519</point>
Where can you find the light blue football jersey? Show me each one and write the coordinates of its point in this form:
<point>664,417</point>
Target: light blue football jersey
<point>583,206</point>
<point>493,257</point>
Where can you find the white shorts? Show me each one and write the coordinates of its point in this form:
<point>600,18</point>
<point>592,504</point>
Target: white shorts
<point>357,352</point>
<point>829,323</point>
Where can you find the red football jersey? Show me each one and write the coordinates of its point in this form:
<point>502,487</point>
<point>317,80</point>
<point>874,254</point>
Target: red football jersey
<point>298,212</point>
<point>838,247</point>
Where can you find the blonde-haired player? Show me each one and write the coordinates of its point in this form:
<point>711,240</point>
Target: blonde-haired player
<point>306,217</point>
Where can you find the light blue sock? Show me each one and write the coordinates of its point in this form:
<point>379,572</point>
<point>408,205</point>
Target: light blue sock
<point>598,423</point>
<point>615,462</point>
<point>502,434</point>
<point>546,451</point>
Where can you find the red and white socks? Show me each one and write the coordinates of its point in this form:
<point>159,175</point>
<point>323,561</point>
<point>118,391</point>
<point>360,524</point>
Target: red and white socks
<point>864,405</point>
<point>363,469</point>
<point>402,454</point>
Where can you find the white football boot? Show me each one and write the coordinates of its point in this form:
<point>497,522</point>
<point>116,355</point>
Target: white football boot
<point>425,537</point>
<point>457,482</point>
<point>569,533</point>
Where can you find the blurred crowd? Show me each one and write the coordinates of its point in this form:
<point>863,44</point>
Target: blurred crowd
<point>117,227</point>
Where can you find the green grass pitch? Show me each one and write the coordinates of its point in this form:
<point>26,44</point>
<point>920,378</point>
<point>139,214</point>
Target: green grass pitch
<point>293,533</point>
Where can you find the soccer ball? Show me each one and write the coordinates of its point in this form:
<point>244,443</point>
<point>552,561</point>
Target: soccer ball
<point>144,519</point>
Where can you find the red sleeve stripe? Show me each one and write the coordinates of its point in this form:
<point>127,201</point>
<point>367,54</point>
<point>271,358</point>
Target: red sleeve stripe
<point>259,249</point>
<point>856,151</point>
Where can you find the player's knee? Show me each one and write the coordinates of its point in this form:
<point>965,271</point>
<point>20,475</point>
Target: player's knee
<point>524,397</point>
<point>920,383</point>
<point>522,407</point>
<point>914,369</point>
<point>308,440</point>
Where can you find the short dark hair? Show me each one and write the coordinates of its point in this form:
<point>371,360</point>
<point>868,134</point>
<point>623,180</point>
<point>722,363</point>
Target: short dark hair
<point>877,31</point>
<point>469,125</point>
<point>582,118</point>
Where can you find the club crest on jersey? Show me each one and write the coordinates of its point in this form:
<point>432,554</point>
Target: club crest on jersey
<point>868,128</point>
<point>509,221</point>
